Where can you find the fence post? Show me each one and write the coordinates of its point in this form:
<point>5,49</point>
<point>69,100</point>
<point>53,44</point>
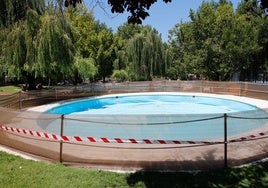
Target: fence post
<point>240,88</point>
<point>61,134</point>
<point>20,100</point>
<point>56,94</point>
<point>225,141</point>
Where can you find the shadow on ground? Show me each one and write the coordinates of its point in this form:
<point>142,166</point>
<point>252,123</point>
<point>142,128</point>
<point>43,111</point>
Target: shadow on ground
<point>250,176</point>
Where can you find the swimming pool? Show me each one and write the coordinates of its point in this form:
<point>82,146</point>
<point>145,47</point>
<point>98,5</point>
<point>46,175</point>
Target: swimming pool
<point>168,116</point>
<point>141,104</point>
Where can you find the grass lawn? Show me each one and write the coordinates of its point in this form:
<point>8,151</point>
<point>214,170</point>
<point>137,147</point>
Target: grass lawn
<point>10,89</point>
<point>18,172</point>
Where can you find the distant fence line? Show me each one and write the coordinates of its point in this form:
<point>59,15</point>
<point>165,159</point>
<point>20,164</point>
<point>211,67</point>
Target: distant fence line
<point>37,97</point>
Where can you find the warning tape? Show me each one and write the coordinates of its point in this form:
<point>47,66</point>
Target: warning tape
<point>115,140</point>
<point>250,137</point>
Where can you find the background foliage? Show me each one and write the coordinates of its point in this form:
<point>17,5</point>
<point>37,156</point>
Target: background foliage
<point>42,41</point>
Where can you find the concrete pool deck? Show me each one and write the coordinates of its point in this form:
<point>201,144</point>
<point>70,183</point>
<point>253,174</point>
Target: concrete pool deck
<point>128,157</point>
<point>17,153</point>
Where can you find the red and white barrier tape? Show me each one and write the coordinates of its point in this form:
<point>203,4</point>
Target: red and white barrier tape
<point>114,140</point>
<point>250,137</point>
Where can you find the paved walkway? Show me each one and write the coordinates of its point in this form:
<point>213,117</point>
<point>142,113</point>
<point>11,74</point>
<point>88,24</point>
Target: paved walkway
<point>18,153</point>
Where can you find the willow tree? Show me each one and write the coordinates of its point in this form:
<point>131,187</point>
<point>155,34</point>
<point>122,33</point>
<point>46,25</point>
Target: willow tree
<point>124,33</point>
<point>54,47</point>
<point>12,11</point>
<point>13,53</point>
<point>36,44</point>
<point>146,55</point>
<point>14,35</point>
<point>3,68</point>
<point>136,58</point>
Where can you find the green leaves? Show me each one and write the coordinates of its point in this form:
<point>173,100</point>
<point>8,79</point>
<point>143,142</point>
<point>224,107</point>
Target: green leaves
<point>55,46</point>
<point>40,45</point>
<point>13,11</point>
<point>93,41</point>
<point>143,54</point>
<point>120,75</point>
<point>218,42</point>
<point>43,41</point>
<point>14,50</point>
<point>85,67</point>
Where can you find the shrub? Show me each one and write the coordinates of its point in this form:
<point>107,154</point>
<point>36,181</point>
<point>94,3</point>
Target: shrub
<point>120,75</point>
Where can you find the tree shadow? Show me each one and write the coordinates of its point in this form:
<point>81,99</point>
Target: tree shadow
<point>248,176</point>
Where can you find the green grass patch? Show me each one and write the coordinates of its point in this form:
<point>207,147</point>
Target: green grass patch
<point>10,89</point>
<point>18,172</point>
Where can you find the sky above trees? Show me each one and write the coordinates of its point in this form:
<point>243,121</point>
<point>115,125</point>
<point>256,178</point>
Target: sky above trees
<point>163,16</point>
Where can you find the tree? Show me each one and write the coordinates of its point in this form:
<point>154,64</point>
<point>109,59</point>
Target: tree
<point>124,33</point>
<point>254,7</point>
<point>120,75</point>
<point>198,42</point>
<point>182,42</point>
<point>256,16</point>
<point>16,28</point>
<point>13,53</point>
<point>86,67</point>
<point>55,47</point>
<point>84,29</point>
<point>104,51</point>
<point>241,48</point>
<point>142,53</point>
<point>217,43</point>
<point>37,45</point>
<point>138,8</point>
<point>12,11</point>
<point>263,42</point>
<point>93,40</point>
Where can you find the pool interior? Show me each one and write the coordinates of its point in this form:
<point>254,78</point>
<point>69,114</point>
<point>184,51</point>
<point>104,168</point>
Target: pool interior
<point>152,104</point>
<point>155,116</point>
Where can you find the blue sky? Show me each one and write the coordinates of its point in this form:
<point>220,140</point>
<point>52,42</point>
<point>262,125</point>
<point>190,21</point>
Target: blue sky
<point>163,17</point>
